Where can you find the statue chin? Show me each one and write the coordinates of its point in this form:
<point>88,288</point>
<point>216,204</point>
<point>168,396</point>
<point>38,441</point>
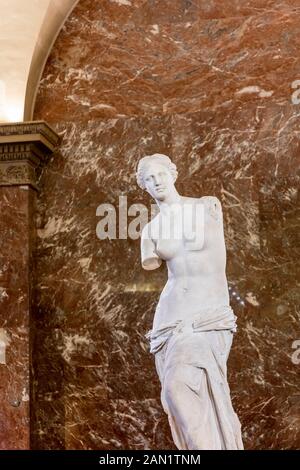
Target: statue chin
<point>160,197</point>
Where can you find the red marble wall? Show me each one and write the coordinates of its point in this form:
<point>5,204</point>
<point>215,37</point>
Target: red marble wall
<point>212,84</point>
<point>16,263</point>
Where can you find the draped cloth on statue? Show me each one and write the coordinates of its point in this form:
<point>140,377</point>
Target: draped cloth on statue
<point>190,359</point>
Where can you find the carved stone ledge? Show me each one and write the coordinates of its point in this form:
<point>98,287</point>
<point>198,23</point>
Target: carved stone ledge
<point>25,148</point>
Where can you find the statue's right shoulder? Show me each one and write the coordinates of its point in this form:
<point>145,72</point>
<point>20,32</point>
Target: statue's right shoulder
<point>149,228</point>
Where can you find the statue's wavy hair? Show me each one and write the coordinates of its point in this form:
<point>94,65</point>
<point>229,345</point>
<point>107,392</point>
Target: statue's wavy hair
<point>156,158</point>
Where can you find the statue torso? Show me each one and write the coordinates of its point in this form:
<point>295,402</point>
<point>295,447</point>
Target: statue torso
<point>196,271</point>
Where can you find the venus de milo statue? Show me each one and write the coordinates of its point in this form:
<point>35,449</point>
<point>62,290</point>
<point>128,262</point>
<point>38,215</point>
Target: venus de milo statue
<point>193,324</point>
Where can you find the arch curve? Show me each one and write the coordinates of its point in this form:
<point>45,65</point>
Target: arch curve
<point>55,17</point>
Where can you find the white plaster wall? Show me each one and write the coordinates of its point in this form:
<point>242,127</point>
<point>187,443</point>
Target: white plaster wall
<point>28,29</point>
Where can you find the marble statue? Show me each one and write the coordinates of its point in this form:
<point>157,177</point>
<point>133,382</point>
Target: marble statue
<point>194,324</point>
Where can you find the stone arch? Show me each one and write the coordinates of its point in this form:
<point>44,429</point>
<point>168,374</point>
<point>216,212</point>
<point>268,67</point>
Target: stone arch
<point>55,17</point>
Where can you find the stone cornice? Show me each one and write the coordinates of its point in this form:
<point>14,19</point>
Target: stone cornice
<point>25,148</point>
<point>29,131</point>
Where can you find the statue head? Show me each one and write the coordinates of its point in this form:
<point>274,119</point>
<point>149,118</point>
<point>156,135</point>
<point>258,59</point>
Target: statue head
<point>157,175</point>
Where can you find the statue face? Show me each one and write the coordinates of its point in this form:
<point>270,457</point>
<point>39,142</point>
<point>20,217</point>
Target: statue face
<point>158,181</point>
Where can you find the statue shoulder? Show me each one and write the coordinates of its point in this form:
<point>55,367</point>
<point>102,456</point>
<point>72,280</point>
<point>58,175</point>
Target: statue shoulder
<point>207,200</point>
<point>211,200</point>
<point>213,205</point>
<point>149,229</point>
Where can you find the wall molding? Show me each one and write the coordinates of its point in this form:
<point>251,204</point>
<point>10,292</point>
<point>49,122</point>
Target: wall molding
<point>25,148</point>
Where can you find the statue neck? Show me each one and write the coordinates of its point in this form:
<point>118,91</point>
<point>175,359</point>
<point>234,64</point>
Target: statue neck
<point>173,199</point>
